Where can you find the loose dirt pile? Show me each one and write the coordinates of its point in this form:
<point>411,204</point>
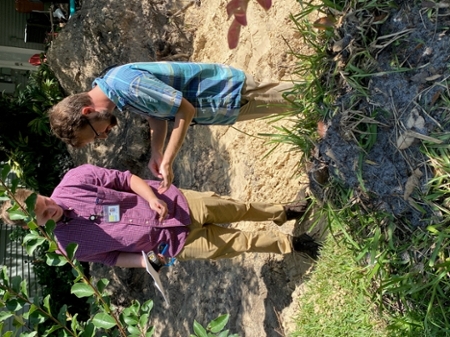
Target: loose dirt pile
<point>401,107</point>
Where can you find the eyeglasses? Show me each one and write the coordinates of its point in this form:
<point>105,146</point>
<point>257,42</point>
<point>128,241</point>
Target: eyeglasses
<point>97,135</point>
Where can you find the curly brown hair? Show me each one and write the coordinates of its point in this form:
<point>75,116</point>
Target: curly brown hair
<point>20,195</point>
<point>66,118</point>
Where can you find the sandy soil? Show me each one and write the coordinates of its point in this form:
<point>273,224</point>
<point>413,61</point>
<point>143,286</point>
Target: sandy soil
<point>259,290</point>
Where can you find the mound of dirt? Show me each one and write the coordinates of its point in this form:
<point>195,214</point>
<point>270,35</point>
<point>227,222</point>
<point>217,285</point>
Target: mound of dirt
<point>400,107</point>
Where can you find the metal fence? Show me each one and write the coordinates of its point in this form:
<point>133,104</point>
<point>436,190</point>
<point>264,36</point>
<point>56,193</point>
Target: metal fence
<point>14,256</point>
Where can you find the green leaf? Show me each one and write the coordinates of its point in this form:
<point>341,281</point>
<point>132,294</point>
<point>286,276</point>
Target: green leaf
<point>143,320</point>
<point>103,320</point>
<point>47,304</point>
<point>223,333</point>
<point>101,284</point>
<point>62,315</point>
<point>54,259</point>
<point>82,290</point>
<point>74,324</point>
<point>89,331</point>
<point>5,171</point>
<point>54,328</point>
<point>133,330</point>
<point>50,227</point>
<point>147,306</point>
<point>199,329</point>
<point>219,323</point>
<point>30,202</point>
<point>29,334</point>
<point>31,245</point>
<point>5,315</point>
<point>71,249</point>
<point>130,319</point>
<point>17,215</point>
<point>150,331</point>
<point>13,305</point>
<point>8,334</point>
<point>15,283</point>
<point>31,236</point>
<point>4,276</point>
<point>24,289</point>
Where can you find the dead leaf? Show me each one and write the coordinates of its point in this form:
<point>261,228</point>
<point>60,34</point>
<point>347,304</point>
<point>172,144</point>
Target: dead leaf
<point>435,97</point>
<point>432,4</point>
<point>404,141</point>
<point>432,78</point>
<point>379,18</point>
<point>339,45</point>
<point>420,77</point>
<point>415,120</point>
<point>412,183</point>
<point>325,22</point>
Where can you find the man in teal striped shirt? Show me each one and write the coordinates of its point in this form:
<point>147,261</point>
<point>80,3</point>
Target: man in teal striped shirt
<point>184,92</point>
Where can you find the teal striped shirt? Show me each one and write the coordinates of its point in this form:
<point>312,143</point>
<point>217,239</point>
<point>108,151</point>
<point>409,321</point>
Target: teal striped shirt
<point>156,89</point>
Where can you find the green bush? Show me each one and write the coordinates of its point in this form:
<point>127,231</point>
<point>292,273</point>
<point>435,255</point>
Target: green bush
<point>26,142</point>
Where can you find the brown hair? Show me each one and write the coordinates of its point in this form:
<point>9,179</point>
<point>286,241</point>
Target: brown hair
<point>66,118</point>
<point>21,195</point>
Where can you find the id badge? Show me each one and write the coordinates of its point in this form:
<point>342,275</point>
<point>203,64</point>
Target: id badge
<point>111,213</point>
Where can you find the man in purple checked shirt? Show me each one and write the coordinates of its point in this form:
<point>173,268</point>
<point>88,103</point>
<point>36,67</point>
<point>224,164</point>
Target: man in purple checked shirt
<point>114,215</point>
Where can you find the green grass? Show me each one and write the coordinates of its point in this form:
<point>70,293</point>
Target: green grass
<point>336,302</point>
<point>378,275</point>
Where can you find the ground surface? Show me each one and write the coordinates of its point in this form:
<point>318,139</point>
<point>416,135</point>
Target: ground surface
<point>256,290</point>
<point>402,106</point>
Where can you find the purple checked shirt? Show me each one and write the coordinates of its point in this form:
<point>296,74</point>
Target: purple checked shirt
<point>83,193</point>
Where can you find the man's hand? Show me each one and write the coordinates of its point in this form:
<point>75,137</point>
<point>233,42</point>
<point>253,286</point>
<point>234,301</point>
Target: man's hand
<point>155,163</point>
<point>166,174</point>
<point>159,207</point>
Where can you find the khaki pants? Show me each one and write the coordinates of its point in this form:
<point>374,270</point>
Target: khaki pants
<point>206,240</point>
<point>262,99</point>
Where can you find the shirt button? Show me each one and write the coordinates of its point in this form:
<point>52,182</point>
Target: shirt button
<point>131,220</point>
